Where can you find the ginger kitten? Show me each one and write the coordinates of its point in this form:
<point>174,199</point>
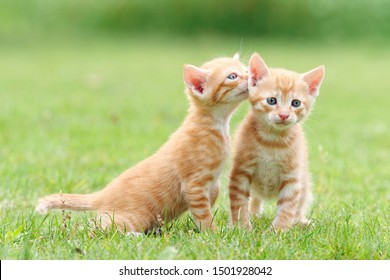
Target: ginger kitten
<point>183,173</point>
<point>271,157</point>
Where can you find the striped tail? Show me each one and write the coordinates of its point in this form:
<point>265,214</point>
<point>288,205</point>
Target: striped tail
<point>78,202</point>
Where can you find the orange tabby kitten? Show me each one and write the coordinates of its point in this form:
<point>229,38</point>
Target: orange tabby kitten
<point>271,156</point>
<point>183,173</point>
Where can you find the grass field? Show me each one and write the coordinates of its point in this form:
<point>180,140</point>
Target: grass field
<point>73,115</point>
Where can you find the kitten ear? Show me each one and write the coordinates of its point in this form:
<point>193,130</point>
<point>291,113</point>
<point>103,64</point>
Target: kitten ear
<point>236,56</point>
<point>195,78</point>
<point>258,70</point>
<point>313,79</point>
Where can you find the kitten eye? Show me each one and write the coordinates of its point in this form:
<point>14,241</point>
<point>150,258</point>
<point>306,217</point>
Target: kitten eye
<point>232,76</point>
<point>271,100</point>
<point>296,103</point>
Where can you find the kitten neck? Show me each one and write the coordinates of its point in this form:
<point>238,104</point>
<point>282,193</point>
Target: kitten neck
<point>212,115</point>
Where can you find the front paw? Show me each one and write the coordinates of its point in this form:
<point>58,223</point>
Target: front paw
<point>213,228</point>
<point>304,222</point>
<point>240,224</point>
<point>201,227</point>
<point>280,227</point>
<point>247,225</point>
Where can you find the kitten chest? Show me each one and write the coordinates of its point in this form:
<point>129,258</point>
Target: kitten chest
<point>269,172</point>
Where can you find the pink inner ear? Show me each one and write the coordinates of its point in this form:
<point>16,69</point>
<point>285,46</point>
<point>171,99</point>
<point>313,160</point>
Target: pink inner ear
<point>255,75</point>
<point>255,78</point>
<point>254,70</point>
<point>313,85</point>
<point>195,78</point>
<point>198,86</point>
<point>258,69</point>
<point>314,82</point>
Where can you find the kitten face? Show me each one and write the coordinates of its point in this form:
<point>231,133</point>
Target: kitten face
<point>220,81</point>
<point>280,97</point>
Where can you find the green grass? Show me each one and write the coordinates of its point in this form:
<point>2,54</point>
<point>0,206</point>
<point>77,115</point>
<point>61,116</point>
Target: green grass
<point>73,115</point>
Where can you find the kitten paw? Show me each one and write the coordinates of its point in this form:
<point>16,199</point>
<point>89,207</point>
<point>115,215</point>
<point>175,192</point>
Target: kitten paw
<point>304,222</point>
<point>256,211</point>
<point>247,226</point>
<point>280,227</point>
<point>206,226</point>
<point>213,228</point>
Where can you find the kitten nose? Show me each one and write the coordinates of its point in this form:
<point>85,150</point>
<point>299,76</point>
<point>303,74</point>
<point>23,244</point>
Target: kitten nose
<point>283,117</point>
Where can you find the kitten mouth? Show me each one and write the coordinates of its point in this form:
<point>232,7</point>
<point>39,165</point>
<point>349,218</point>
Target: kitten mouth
<point>244,89</point>
<point>281,124</point>
<point>244,92</point>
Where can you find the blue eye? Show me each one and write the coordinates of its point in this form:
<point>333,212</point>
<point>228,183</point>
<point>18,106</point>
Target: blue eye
<point>271,100</point>
<point>232,76</point>
<point>296,103</point>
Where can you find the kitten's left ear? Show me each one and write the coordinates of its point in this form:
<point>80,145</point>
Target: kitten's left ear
<point>313,79</point>
<point>258,70</point>
<point>236,56</point>
<point>195,78</point>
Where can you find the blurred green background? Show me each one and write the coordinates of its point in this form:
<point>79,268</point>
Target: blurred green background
<point>298,19</point>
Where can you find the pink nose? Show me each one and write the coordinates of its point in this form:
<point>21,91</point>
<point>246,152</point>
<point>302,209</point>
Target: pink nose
<point>283,117</point>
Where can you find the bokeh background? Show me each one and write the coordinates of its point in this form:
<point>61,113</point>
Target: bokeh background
<point>89,88</point>
<point>297,19</point>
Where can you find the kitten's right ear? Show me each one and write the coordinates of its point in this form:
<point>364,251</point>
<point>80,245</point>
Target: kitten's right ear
<point>313,79</point>
<point>258,70</point>
<point>195,78</point>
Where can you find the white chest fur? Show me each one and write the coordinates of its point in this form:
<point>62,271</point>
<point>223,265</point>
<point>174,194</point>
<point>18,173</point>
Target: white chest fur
<point>269,171</point>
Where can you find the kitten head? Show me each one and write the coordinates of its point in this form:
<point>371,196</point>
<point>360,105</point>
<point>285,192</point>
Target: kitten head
<point>280,97</point>
<point>219,81</point>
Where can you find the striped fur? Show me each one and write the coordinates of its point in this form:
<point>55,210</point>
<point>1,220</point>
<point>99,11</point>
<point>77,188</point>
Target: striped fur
<point>270,159</point>
<point>183,173</point>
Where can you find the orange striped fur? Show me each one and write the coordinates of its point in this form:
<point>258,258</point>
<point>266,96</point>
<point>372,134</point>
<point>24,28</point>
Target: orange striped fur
<point>183,173</point>
<point>270,158</point>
